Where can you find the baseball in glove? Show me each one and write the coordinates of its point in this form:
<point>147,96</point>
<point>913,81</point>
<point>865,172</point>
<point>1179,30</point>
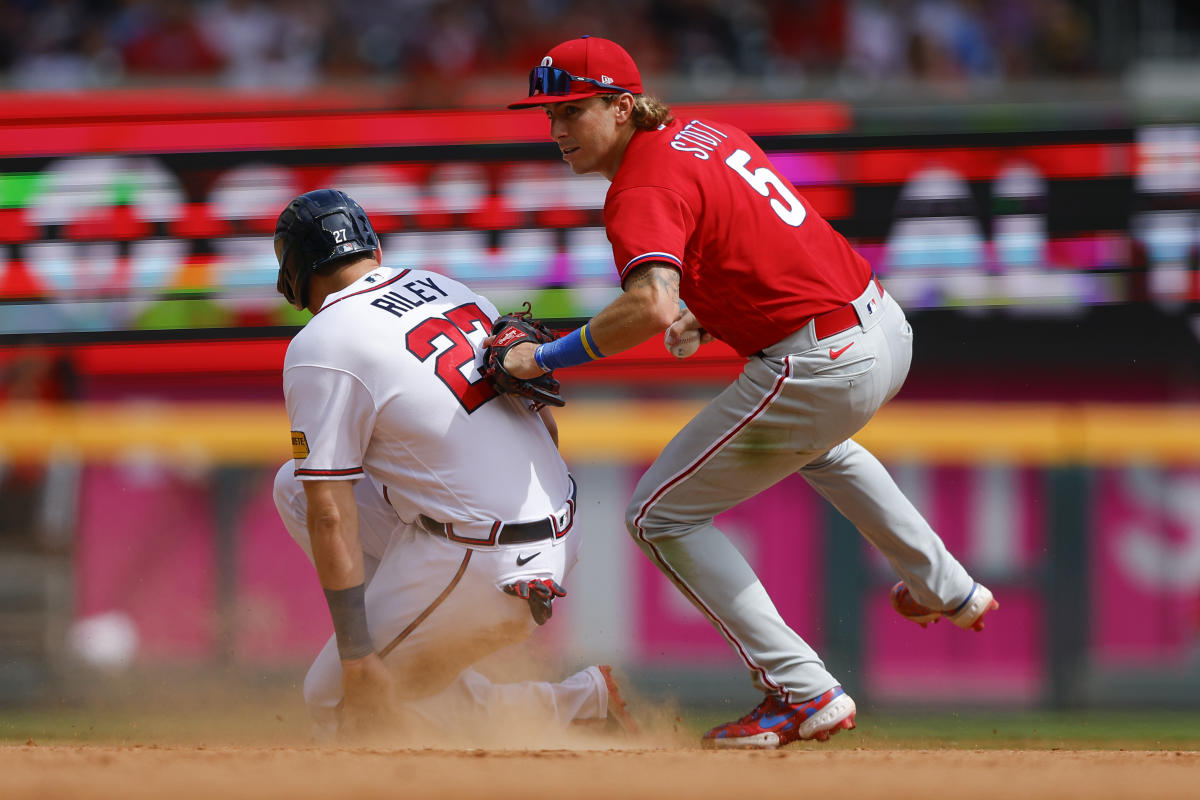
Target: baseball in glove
<point>508,331</point>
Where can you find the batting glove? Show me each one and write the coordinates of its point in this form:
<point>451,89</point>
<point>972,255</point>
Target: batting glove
<point>539,593</point>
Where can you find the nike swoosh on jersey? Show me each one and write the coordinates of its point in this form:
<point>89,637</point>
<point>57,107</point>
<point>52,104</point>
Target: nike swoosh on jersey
<point>833,354</point>
<point>523,560</point>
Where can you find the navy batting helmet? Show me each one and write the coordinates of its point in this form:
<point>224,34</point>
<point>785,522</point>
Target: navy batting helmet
<point>318,228</point>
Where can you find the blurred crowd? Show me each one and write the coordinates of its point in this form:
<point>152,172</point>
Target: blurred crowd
<point>68,44</point>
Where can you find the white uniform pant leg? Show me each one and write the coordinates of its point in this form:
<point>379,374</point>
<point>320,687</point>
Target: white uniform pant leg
<point>858,486</point>
<point>473,704</point>
<point>434,608</point>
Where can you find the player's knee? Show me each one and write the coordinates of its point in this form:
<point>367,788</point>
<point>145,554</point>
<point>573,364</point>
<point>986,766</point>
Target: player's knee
<point>826,459</point>
<point>631,519</point>
<point>649,521</point>
<point>290,503</point>
<point>650,513</point>
<point>286,487</point>
<point>643,521</point>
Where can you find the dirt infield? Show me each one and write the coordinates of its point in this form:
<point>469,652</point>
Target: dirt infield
<point>179,772</point>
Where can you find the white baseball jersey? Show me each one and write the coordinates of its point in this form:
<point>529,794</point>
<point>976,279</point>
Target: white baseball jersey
<point>384,379</point>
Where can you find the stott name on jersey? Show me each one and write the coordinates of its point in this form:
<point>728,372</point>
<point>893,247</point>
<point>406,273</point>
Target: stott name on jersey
<point>409,296</point>
<point>698,139</point>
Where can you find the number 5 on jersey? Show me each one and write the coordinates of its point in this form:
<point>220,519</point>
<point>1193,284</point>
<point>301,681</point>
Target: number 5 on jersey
<point>791,210</point>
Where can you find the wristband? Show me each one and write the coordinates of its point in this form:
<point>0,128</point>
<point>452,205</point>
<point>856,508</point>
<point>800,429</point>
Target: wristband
<point>537,358</point>
<point>577,347</point>
<point>348,607</point>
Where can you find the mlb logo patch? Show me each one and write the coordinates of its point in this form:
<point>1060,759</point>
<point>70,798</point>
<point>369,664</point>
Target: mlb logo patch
<point>871,307</point>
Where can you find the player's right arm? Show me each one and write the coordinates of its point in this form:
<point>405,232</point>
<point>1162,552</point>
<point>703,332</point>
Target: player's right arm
<point>647,307</point>
<point>333,528</point>
<point>333,417</point>
<point>337,553</point>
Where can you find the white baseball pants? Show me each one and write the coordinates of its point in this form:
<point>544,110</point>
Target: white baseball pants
<point>435,608</point>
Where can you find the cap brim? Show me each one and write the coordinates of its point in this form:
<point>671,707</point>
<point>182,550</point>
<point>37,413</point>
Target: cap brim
<point>549,99</point>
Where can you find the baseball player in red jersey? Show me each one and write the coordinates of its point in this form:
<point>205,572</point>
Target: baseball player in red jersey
<point>697,213</point>
<point>438,514</point>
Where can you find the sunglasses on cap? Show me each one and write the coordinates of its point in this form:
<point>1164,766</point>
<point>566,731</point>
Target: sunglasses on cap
<point>557,82</point>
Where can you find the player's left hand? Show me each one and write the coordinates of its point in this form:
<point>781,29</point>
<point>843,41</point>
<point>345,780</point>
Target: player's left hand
<point>540,593</point>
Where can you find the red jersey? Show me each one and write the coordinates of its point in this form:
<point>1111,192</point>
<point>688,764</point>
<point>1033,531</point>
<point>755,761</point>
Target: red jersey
<point>757,261</point>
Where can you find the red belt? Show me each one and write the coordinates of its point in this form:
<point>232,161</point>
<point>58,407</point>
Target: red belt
<point>841,319</point>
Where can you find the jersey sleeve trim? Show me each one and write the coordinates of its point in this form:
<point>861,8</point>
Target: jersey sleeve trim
<point>644,257</point>
<point>348,472</point>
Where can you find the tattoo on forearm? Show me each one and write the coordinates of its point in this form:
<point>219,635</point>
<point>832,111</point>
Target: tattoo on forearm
<point>667,278</point>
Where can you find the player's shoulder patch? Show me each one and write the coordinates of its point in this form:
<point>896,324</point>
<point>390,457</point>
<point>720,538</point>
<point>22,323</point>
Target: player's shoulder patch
<point>299,445</point>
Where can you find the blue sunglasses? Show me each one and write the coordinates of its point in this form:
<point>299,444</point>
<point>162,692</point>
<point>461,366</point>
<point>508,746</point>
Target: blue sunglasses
<point>557,82</point>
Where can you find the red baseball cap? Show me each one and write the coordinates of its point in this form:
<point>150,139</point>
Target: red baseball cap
<point>580,68</point>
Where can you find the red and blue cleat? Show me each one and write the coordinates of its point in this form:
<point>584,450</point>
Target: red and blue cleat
<point>968,615</point>
<point>775,723</point>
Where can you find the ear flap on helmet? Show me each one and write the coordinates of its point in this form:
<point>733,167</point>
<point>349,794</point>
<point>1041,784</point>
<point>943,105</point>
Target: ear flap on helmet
<point>318,228</point>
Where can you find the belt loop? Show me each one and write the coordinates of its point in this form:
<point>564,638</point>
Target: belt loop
<point>560,529</point>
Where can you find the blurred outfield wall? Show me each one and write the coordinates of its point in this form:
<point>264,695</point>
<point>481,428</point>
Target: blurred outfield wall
<point>1090,543</point>
<point>1047,255</point>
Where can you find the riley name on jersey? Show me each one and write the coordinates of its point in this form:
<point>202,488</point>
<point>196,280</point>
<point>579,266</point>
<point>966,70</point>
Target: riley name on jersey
<point>395,302</point>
